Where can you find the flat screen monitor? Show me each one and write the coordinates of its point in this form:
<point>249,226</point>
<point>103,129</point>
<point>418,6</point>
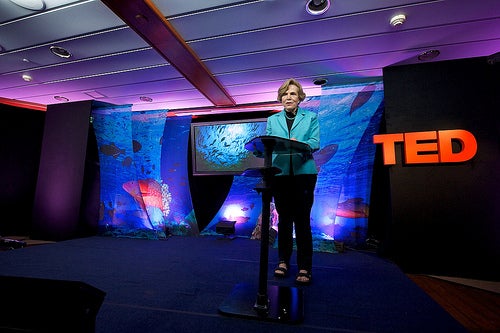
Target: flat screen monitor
<point>218,147</point>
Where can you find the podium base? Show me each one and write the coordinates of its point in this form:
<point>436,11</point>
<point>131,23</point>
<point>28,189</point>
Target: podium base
<point>285,304</point>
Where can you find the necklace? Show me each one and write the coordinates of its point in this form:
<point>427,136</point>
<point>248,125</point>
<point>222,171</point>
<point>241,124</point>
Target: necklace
<point>288,117</point>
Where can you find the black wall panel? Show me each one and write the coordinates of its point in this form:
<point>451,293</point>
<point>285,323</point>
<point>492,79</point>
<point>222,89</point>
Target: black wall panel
<point>57,208</point>
<point>21,133</point>
<point>445,217</point>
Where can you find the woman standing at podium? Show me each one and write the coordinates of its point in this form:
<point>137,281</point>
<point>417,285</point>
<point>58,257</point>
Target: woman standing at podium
<point>293,188</point>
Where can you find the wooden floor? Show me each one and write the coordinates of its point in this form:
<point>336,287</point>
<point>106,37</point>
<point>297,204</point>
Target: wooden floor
<point>476,309</point>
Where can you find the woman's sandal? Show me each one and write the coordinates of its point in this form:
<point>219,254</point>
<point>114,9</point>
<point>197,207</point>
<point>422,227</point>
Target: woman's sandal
<point>281,270</point>
<point>303,278</point>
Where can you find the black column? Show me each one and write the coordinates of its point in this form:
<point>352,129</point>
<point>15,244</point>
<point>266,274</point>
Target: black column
<point>58,196</point>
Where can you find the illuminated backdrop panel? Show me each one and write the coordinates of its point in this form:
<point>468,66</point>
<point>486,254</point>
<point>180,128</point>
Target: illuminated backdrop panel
<point>348,116</point>
<point>140,197</point>
<point>145,185</point>
<point>174,172</point>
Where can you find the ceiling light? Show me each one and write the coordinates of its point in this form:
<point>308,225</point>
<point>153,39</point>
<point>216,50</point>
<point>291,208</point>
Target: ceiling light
<point>61,99</point>
<point>317,7</point>
<point>428,55</point>
<point>30,4</point>
<point>27,78</point>
<point>141,18</point>
<point>60,52</point>
<point>146,99</point>
<point>320,81</point>
<point>398,20</point>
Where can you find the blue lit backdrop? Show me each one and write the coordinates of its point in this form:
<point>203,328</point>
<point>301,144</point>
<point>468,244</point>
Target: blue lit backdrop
<point>348,117</point>
<point>144,174</point>
<point>144,180</point>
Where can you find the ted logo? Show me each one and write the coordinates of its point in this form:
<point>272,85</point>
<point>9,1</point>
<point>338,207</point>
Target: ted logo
<point>428,147</point>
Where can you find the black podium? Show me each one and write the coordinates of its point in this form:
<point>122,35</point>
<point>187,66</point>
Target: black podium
<point>270,302</point>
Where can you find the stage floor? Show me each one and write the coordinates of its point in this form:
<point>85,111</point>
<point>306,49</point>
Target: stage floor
<point>179,284</point>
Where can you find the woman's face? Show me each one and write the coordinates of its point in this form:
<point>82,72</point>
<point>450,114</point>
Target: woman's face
<point>290,98</point>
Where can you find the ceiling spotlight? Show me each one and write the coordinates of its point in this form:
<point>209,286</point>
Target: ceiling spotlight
<point>398,20</point>
<point>146,99</point>
<point>320,81</point>
<point>317,7</point>
<point>428,55</point>
<point>60,52</point>
<point>141,18</point>
<point>27,78</point>
<point>61,99</point>
<point>30,4</point>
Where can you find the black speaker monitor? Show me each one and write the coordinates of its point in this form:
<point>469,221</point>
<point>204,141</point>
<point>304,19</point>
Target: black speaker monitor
<point>44,305</point>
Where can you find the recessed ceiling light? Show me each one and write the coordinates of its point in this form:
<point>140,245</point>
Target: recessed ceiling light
<point>27,78</point>
<point>320,81</point>
<point>398,20</point>
<point>317,7</point>
<point>141,18</point>
<point>60,52</point>
<point>428,55</point>
<point>61,99</point>
<point>30,4</point>
<point>146,99</point>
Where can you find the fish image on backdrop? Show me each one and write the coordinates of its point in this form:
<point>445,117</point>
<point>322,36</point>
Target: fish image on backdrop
<point>112,150</point>
<point>324,155</point>
<point>353,208</point>
<point>152,197</point>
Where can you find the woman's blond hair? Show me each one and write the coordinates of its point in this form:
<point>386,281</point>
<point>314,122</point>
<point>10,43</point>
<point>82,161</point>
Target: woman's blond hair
<point>291,82</point>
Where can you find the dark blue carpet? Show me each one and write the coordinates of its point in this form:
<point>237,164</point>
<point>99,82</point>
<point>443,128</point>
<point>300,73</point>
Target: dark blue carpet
<point>178,284</point>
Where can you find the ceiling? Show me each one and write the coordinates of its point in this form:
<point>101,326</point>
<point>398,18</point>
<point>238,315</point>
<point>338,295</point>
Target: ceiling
<point>222,55</point>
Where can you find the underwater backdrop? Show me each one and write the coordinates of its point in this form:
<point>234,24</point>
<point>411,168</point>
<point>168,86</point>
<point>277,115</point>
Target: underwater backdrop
<point>144,170</point>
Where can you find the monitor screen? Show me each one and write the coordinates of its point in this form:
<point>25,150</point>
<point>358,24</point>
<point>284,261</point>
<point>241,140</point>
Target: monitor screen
<point>218,147</point>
